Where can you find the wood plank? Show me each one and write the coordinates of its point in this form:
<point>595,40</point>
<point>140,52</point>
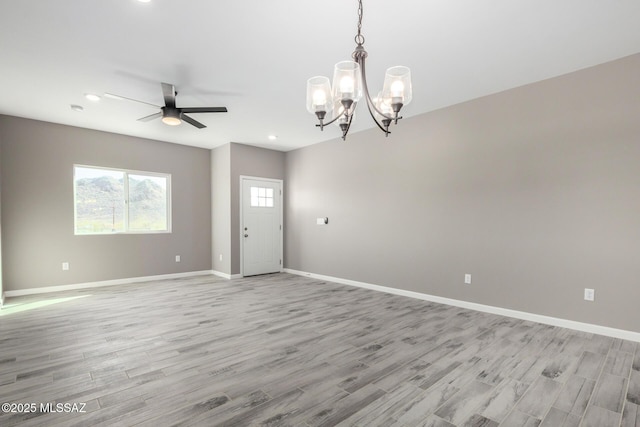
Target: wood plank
<point>477,420</point>
<point>559,418</point>
<point>633,393</point>
<point>600,417</point>
<point>618,363</point>
<point>590,365</point>
<point>463,403</point>
<point>426,403</point>
<point>574,397</point>
<point>631,415</point>
<point>503,399</point>
<point>609,393</point>
<point>520,419</point>
<point>539,397</point>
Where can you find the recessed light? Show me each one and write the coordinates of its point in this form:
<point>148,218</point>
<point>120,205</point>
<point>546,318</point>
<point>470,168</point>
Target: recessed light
<point>92,97</point>
<point>144,1</point>
<point>76,107</point>
<point>272,137</point>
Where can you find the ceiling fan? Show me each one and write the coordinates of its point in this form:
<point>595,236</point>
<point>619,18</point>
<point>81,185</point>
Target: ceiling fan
<point>170,113</point>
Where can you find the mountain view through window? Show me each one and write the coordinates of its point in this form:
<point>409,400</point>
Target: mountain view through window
<point>116,201</point>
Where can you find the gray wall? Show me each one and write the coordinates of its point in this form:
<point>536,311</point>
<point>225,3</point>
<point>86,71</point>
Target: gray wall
<point>534,191</point>
<point>249,161</point>
<point>1,291</point>
<point>221,209</point>
<point>37,206</point>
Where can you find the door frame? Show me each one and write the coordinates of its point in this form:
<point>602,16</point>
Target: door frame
<point>241,219</point>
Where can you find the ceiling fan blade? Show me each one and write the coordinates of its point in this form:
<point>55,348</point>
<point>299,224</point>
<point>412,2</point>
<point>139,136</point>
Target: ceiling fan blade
<point>151,117</point>
<point>204,110</point>
<point>192,121</point>
<point>169,93</point>
<point>120,98</point>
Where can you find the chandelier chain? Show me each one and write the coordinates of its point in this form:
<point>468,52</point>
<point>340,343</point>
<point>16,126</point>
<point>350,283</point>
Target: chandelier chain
<point>359,37</point>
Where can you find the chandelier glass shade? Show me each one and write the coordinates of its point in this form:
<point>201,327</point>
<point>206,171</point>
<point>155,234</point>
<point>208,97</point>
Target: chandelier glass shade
<point>350,85</point>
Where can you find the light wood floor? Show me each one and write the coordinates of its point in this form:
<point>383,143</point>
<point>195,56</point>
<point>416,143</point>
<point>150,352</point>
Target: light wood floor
<point>287,350</point>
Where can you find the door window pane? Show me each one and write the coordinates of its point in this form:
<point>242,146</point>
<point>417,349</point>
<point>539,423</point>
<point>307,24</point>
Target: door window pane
<point>261,197</point>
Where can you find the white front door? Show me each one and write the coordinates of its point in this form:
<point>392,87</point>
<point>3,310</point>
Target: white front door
<point>261,226</point>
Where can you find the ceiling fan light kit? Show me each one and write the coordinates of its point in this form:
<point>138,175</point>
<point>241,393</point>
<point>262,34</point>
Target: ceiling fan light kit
<point>350,85</point>
<point>170,116</point>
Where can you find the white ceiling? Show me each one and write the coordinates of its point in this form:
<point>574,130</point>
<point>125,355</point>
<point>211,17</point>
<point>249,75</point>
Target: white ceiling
<point>254,57</point>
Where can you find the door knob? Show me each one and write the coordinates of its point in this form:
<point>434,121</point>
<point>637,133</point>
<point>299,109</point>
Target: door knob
<point>246,235</point>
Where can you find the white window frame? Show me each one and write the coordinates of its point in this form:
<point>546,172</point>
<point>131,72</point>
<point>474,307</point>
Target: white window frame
<point>126,173</point>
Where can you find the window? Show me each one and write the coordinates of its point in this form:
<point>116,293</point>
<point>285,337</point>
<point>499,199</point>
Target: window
<point>261,197</point>
<point>120,201</point>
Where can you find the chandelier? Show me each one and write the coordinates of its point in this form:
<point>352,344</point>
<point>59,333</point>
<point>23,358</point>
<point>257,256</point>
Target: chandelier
<point>350,83</point>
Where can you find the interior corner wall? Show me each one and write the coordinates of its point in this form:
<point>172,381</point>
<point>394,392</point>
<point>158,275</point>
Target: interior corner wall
<point>534,191</point>
<point>249,161</point>
<point>37,207</point>
<point>221,208</point>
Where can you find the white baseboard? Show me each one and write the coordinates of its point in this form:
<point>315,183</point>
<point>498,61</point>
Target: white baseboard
<point>87,285</point>
<point>225,275</point>
<point>547,320</point>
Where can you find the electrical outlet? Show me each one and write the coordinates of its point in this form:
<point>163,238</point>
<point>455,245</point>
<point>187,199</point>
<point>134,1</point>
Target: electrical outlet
<point>65,266</point>
<point>467,279</point>
<point>589,294</point>
<point>177,258</point>
<point>220,257</point>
